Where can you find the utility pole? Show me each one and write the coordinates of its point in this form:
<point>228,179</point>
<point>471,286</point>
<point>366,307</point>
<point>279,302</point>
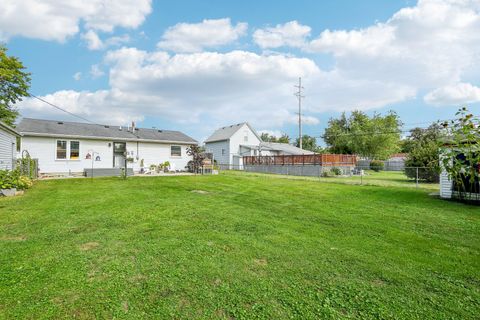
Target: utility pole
<point>299,95</point>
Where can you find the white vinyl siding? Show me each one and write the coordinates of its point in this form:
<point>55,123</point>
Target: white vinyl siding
<point>44,149</point>
<point>7,150</point>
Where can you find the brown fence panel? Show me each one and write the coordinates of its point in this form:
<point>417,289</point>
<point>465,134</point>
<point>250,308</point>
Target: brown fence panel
<point>317,159</point>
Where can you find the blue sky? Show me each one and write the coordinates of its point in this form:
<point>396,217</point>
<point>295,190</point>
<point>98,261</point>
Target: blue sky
<point>198,65</point>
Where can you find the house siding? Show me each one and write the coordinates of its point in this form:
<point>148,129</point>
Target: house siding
<point>8,151</point>
<point>44,149</point>
<point>216,149</point>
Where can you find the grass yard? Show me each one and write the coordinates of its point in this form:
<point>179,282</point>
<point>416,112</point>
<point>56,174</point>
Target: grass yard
<point>236,246</point>
<point>382,178</point>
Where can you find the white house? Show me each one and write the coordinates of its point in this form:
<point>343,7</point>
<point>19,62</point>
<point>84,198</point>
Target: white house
<point>8,146</point>
<point>229,144</point>
<point>71,147</point>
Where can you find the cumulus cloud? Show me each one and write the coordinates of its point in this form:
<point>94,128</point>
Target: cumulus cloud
<point>96,72</point>
<point>77,76</point>
<point>290,34</point>
<point>194,37</point>
<point>95,43</point>
<point>423,48</point>
<point>57,20</point>
<point>454,95</point>
<point>223,87</point>
<point>419,48</point>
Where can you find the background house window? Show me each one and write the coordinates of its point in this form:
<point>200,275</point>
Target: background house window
<point>223,152</point>
<point>176,151</point>
<point>74,150</point>
<point>61,149</point>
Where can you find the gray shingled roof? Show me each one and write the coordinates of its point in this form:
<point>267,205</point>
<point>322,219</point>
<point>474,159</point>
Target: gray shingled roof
<point>285,147</point>
<point>227,132</point>
<point>37,127</point>
<point>9,129</point>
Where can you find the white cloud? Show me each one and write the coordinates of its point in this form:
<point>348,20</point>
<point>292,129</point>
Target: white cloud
<point>290,34</point>
<point>424,48</point>
<point>454,95</point>
<point>77,76</point>
<point>93,40</point>
<point>95,43</point>
<point>419,48</point>
<point>194,37</point>
<point>96,72</point>
<point>224,88</point>
<point>57,20</point>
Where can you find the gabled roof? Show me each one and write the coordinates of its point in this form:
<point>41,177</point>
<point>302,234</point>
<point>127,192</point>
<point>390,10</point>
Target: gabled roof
<point>51,128</point>
<point>9,129</point>
<point>227,132</point>
<point>276,146</point>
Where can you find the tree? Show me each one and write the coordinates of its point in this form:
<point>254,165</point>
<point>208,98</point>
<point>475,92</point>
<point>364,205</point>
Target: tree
<point>375,137</point>
<point>422,147</point>
<point>284,139</point>
<point>461,157</point>
<point>198,155</point>
<point>271,138</point>
<point>14,85</point>
<point>308,143</point>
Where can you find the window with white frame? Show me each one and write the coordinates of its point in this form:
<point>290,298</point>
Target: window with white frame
<point>67,150</point>
<point>62,149</point>
<point>74,150</point>
<point>176,151</point>
<point>223,152</point>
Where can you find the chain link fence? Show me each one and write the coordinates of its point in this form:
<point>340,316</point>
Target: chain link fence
<point>414,177</point>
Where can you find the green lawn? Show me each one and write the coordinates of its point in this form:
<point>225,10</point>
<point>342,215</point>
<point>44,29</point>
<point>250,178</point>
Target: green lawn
<point>382,178</point>
<point>236,246</point>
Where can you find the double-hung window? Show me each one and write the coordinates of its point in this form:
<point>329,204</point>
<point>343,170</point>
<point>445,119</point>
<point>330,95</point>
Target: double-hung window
<point>74,150</point>
<point>176,151</point>
<point>67,150</point>
<point>61,149</point>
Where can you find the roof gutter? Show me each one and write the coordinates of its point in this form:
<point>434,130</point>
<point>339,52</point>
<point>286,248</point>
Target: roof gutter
<point>49,135</point>
<point>9,129</point>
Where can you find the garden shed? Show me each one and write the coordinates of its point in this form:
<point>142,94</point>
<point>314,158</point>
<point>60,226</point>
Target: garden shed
<point>467,186</point>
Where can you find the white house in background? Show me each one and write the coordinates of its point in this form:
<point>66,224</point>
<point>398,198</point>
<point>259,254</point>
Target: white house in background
<point>71,147</point>
<point>229,144</point>
<point>8,146</point>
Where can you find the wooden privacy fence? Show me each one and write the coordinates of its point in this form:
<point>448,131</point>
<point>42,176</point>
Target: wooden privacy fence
<point>336,160</point>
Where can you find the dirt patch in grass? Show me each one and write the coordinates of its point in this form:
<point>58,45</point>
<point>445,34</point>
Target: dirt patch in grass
<point>13,238</point>
<point>200,191</point>
<point>260,262</point>
<point>89,246</point>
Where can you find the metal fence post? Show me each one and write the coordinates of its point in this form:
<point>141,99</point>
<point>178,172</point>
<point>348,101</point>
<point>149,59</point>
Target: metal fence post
<point>416,179</point>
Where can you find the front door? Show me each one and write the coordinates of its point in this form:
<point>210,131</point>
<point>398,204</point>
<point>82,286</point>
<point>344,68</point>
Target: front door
<point>119,149</point>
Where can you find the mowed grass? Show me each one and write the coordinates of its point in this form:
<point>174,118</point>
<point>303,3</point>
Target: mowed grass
<point>236,247</point>
<point>382,178</point>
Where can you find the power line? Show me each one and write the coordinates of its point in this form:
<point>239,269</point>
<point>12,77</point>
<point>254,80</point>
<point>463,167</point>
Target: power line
<point>61,109</point>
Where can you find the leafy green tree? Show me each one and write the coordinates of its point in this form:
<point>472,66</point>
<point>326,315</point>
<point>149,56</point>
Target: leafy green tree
<point>422,146</point>
<point>271,138</point>
<point>284,139</point>
<point>308,143</point>
<point>375,137</point>
<point>14,85</point>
